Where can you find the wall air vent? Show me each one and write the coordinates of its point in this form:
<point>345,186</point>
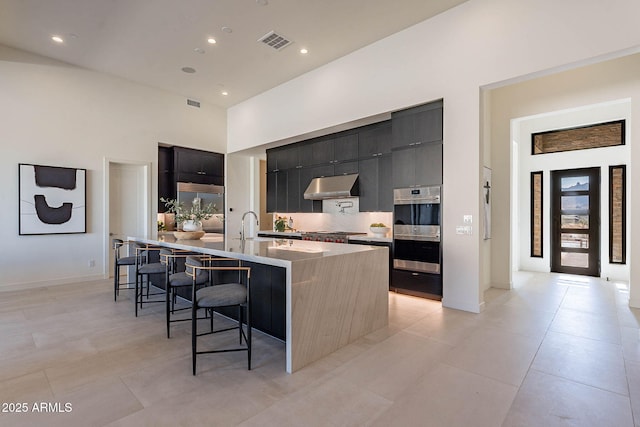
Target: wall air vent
<point>275,40</point>
<point>193,103</point>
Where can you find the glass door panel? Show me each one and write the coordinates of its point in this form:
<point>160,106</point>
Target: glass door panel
<point>575,209</point>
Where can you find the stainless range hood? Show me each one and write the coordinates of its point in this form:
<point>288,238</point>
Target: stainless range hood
<point>332,187</point>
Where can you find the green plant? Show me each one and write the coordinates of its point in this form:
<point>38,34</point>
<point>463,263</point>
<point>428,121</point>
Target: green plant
<point>197,212</point>
<point>161,226</point>
<point>377,224</point>
<point>280,223</point>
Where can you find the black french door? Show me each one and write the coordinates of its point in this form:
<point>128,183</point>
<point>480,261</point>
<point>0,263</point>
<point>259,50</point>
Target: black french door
<point>575,209</point>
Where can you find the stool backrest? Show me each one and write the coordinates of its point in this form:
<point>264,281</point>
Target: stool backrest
<point>191,262</point>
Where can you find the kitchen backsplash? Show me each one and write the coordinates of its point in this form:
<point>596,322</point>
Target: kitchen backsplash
<point>338,215</point>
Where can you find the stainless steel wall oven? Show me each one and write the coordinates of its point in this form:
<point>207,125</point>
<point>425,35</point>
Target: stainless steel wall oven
<point>416,241</point>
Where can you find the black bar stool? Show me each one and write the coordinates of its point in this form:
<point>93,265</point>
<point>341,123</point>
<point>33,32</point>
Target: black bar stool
<point>144,269</point>
<point>217,296</point>
<point>178,279</point>
<point>121,261</point>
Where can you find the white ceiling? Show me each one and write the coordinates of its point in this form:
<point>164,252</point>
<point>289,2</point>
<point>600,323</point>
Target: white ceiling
<point>149,41</point>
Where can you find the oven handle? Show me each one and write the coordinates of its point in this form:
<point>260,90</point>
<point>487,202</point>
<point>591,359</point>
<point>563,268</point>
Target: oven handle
<point>431,200</point>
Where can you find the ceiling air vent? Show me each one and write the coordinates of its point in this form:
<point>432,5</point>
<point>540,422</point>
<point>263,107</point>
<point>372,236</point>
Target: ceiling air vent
<point>193,103</point>
<point>275,40</point>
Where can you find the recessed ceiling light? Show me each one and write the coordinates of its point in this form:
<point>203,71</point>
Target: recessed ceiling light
<point>211,40</point>
<point>304,51</point>
<point>188,70</point>
<point>227,30</point>
<point>199,50</point>
<point>57,39</point>
<point>225,93</point>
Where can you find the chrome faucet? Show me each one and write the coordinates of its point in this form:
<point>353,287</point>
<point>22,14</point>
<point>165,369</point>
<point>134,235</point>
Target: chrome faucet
<point>244,215</point>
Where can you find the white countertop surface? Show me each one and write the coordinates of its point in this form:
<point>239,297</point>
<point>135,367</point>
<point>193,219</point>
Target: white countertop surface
<point>264,250</point>
<point>370,238</point>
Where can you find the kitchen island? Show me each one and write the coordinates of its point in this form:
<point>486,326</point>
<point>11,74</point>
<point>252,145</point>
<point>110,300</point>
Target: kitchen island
<point>333,293</point>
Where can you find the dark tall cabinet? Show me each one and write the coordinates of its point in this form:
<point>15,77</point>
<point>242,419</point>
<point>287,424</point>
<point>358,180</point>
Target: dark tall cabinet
<point>166,179</point>
<point>417,146</point>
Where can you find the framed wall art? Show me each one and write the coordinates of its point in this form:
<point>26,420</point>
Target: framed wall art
<point>52,200</point>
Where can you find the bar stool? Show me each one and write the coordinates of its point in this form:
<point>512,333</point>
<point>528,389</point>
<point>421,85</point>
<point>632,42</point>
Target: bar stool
<point>121,261</point>
<point>144,269</point>
<point>217,296</point>
<point>178,279</point>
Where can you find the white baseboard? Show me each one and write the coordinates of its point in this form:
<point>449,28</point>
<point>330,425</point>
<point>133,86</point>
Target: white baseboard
<point>463,305</point>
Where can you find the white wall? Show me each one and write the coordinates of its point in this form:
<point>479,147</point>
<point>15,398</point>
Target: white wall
<point>59,115</point>
<point>450,56</point>
<point>242,193</point>
<point>573,94</point>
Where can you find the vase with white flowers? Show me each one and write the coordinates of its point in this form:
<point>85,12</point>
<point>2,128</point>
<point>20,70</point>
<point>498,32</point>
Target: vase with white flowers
<point>190,218</point>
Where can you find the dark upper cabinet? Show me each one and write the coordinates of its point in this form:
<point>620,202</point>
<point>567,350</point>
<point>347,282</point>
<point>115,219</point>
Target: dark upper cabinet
<point>294,191</point>
<point>166,180</point>
<point>376,191</point>
<point>375,140</point>
<point>429,164</point>
<point>418,125</point>
<point>417,165</point>
<point>292,167</point>
<point>329,150</point>
<point>345,168</point>
<point>198,166</point>
<point>316,152</point>
<point>283,158</point>
<point>277,183</point>
<point>345,148</point>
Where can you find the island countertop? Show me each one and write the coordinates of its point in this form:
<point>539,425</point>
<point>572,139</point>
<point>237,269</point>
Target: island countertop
<point>335,293</point>
<point>265,250</point>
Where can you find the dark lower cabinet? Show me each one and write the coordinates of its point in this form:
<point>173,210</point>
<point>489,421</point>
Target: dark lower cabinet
<point>268,299</point>
<point>278,302</point>
<point>268,296</point>
<point>417,284</point>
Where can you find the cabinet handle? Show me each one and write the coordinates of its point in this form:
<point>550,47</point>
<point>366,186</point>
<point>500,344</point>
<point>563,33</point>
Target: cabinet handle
<point>412,144</point>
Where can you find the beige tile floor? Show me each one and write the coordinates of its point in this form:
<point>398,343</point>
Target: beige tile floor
<point>556,351</point>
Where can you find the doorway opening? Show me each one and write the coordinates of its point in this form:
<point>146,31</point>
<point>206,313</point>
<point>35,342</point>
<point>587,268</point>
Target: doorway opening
<point>127,204</point>
<point>575,228</point>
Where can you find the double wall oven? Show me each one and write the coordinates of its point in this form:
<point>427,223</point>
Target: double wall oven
<point>417,266</point>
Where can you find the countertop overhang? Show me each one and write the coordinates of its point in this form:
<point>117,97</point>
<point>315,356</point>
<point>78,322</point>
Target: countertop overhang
<point>265,250</point>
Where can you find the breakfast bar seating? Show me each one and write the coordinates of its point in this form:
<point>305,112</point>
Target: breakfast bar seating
<point>315,296</point>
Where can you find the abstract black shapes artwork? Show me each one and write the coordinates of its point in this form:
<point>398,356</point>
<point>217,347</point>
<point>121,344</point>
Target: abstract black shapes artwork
<point>52,200</point>
<point>50,215</point>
